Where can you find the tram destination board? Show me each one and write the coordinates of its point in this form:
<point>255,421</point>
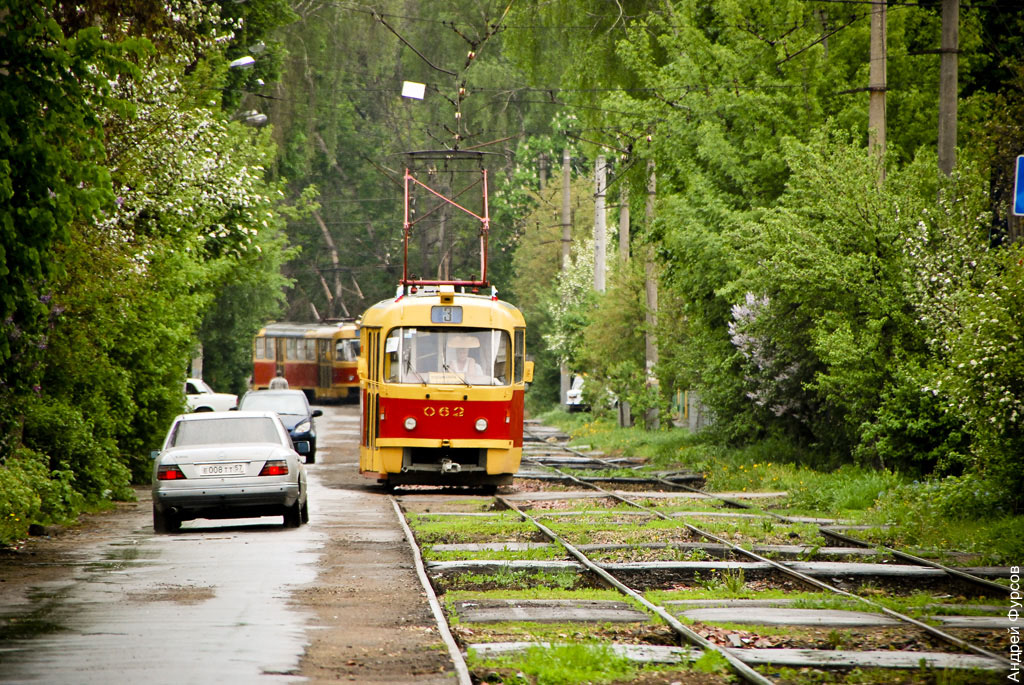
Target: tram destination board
<point>446,314</point>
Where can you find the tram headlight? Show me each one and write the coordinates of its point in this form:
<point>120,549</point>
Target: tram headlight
<point>410,423</point>
<point>481,425</point>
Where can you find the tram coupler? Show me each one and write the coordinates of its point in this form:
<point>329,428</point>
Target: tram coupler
<point>449,466</point>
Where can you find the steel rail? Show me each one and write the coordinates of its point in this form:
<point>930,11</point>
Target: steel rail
<point>906,556</point>
<point>825,530</point>
<point>803,577</point>
<point>459,661</point>
<point>741,669</point>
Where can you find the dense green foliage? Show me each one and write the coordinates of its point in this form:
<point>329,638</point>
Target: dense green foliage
<point>137,225</point>
<point>856,310</point>
<point>844,309</point>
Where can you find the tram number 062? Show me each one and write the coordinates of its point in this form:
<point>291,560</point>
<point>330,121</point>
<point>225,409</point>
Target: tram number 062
<point>444,411</point>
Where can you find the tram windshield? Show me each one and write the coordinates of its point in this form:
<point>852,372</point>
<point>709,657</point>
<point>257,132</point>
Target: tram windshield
<point>456,356</point>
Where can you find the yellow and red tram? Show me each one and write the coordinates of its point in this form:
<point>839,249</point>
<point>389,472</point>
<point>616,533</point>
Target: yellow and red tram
<point>443,376</point>
<point>317,358</point>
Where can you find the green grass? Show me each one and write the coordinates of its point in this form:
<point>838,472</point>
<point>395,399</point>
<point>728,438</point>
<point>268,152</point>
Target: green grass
<point>540,593</point>
<point>553,551</point>
<point>433,530</point>
<point>509,579</point>
<point>567,664</point>
<point>564,664</point>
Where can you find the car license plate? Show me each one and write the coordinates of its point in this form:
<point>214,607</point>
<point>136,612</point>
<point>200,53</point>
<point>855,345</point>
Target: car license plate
<point>234,469</point>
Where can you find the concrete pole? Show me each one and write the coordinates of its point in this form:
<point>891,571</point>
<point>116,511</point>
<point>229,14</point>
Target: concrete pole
<point>543,163</point>
<point>566,209</point>
<point>623,222</point>
<point>877,85</point>
<point>600,225</point>
<point>651,419</point>
<point>563,383</point>
<point>948,85</point>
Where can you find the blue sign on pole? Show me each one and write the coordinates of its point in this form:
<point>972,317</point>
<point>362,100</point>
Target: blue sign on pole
<point>1018,188</point>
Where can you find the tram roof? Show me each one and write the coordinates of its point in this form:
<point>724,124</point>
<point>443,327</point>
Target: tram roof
<point>293,329</point>
<point>414,309</point>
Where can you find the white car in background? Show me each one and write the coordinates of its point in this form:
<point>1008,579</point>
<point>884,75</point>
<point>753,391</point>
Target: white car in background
<point>200,397</point>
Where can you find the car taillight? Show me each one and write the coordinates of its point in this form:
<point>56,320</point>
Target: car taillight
<point>277,467</point>
<point>171,472</point>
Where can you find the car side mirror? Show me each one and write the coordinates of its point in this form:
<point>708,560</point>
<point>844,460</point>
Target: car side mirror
<point>528,372</point>
<point>317,412</point>
<point>234,408</point>
<point>154,454</point>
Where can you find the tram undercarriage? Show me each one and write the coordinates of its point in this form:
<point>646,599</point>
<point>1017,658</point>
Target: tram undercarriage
<point>451,466</point>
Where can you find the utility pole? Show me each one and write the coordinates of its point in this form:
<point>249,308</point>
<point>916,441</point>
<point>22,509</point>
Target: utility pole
<point>563,383</point>
<point>566,209</point>
<point>625,411</point>
<point>877,86</point>
<point>623,222</point>
<point>948,85</point>
<point>543,161</point>
<point>651,317</point>
<point>600,225</point>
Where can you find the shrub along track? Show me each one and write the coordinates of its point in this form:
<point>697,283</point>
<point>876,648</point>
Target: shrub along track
<point>705,605</point>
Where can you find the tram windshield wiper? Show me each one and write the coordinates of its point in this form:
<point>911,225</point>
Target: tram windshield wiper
<point>409,369</point>
<point>449,369</point>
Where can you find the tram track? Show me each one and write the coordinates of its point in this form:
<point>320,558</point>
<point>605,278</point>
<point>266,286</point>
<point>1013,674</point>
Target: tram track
<point>752,664</point>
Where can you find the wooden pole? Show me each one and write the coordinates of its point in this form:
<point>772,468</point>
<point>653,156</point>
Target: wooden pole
<point>600,224</point>
<point>563,383</point>
<point>877,86</point>
<point>623,222</point>
<point>651,419</point>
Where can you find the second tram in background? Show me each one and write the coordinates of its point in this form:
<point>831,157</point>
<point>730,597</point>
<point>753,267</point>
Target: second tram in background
<point>317,358</point>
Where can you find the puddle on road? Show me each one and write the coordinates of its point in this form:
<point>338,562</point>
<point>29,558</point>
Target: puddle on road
<point>210,604</point>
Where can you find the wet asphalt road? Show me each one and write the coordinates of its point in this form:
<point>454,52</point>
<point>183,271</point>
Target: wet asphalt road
<point>206,605</point>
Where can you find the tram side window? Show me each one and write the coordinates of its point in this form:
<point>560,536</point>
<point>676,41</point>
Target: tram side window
<point>520,354</point>
<point>346,350</point>
<point>500,358</point>
<point>265,348</point>
<point>391,352</point>
<point>290,351</point>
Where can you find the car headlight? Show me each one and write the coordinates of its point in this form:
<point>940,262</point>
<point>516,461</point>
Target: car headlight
<point>303,427</point>
<point>481,425</point>
<point>410,423</point>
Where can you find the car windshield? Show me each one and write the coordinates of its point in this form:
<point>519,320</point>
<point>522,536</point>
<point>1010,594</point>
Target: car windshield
<point>460,356</point>
<point>225,430</point>
<point>282,404</point>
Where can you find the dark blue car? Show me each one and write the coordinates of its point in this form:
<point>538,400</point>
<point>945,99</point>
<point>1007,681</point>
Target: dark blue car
<point>294,410</point>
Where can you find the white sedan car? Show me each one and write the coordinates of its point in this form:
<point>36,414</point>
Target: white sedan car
<point>236,464</point>
<point>200,397</point>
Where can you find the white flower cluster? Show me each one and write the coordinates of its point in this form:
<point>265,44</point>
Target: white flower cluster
<point>179,170</point>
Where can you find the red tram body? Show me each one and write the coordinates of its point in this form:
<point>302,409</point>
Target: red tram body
<point>443,377</point>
